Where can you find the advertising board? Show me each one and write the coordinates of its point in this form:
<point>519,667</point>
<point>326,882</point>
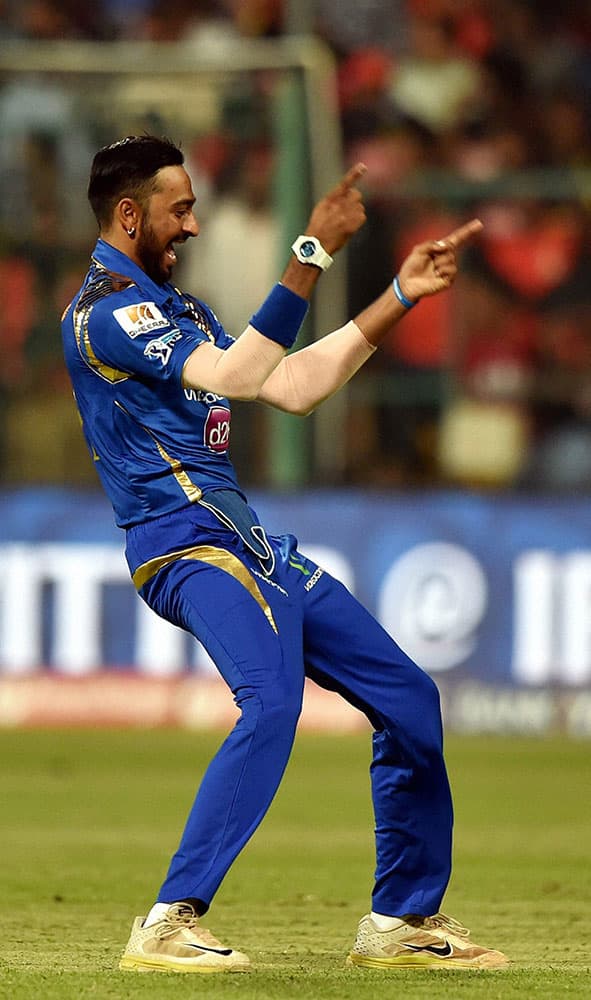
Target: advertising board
<point>491,595</point>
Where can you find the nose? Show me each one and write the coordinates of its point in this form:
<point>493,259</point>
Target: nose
<point>190,225</point>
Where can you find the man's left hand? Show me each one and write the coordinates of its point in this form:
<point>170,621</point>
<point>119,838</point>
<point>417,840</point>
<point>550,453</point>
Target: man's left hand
<point>432,267</point>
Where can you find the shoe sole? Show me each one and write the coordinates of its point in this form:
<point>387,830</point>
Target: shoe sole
<point>422,962</point>
<point>130,964</point>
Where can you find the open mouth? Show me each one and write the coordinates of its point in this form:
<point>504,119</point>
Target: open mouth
<point>170,254</point>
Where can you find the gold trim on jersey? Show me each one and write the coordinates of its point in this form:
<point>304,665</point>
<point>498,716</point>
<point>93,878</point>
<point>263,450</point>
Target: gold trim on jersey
<point>191,491</point>
<point>214,556</point>
<point>80,322</point>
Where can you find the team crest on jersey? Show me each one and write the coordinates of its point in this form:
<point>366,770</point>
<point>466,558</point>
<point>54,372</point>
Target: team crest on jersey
<point>161,348</point>
<point>141,317</point>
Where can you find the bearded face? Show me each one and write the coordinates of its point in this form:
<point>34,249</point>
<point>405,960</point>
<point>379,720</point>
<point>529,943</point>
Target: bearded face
<point>156,254</point>
<point>167,220</point>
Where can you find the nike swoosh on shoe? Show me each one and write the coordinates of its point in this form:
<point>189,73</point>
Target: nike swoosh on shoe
<point>442,951</point>
<point>202,947</point>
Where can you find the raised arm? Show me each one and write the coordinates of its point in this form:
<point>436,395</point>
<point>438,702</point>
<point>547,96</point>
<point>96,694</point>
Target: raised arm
<point>307,377</point>
<point>240,371</point>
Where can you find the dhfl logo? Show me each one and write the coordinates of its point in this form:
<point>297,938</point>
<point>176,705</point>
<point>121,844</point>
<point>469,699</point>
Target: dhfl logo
<point>141,317</point>
<point>142,313</point>
<point>216,433</point>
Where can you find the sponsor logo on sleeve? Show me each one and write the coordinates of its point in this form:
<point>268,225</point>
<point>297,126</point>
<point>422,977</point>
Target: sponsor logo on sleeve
<point>161,348</point>
<point>141,317</point>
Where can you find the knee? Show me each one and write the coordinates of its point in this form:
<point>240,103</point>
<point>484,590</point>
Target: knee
<point>275,710</point>
<point>413,721</point>
<point>427,694</point>
<point>427,703</point>
<point>282,708</point>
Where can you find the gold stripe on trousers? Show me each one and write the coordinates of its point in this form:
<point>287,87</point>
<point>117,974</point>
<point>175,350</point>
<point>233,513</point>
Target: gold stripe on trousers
<point>213,556</point>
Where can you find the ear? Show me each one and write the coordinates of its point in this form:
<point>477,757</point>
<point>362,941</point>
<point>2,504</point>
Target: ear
<point>128,214</point>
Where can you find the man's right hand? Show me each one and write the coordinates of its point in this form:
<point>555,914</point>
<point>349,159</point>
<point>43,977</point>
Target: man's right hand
<point>340,213</point>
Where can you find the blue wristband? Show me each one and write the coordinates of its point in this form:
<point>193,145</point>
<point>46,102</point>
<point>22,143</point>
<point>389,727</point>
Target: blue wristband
<point>280,316</point>
<point>407,303</point>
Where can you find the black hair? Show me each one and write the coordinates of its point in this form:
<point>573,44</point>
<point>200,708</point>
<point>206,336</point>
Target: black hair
<point>128,168</point>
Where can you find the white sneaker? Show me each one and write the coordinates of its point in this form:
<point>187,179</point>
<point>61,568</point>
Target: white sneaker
<point>177,943</point>
<point>436,942</point>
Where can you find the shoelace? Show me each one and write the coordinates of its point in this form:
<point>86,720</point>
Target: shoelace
<point>447,923</point>
<point>181,915</point>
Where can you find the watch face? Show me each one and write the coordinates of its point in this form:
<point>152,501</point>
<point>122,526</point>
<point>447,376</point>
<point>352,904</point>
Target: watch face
<point>308,249</point>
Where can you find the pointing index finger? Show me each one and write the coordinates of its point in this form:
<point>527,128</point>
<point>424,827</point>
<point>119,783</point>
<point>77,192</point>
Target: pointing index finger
<point>461,235</point>
<point>350,179</point>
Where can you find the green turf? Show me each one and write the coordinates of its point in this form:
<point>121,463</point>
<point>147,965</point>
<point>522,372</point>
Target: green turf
<point>88,821</point>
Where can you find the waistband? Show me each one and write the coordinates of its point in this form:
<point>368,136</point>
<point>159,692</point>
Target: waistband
<point>152,543</point>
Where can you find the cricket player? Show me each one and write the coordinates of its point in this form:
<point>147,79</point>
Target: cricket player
<point>153,371</point>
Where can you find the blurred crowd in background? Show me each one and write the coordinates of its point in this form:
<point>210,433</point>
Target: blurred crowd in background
<point>458,108</point>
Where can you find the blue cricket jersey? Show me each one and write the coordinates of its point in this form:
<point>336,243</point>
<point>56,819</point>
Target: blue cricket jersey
<point>157,446</point>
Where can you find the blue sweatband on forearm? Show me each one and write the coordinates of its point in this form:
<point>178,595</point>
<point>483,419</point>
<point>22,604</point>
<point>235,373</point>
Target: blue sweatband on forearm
<point>280,316</point>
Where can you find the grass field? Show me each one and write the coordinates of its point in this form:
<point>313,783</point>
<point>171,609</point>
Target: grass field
<point>88,820</point>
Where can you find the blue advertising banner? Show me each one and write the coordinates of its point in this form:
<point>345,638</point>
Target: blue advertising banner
<point>478,589</point>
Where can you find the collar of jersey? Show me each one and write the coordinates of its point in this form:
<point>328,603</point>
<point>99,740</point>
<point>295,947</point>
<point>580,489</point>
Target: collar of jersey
<point>115,260</point>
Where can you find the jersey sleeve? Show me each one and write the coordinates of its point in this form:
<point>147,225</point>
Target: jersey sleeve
<point>206,318</point>
<point>136,337</point>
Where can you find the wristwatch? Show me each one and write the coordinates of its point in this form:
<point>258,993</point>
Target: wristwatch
<point>309,250</point>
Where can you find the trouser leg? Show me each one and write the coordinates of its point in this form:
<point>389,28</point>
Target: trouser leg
<point>348,651</point>
<point>264,670</point>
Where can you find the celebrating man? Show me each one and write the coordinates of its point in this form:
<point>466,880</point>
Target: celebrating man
<point>201,559</point>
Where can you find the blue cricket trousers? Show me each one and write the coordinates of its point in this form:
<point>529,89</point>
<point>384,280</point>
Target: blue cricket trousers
<point>266,634</point>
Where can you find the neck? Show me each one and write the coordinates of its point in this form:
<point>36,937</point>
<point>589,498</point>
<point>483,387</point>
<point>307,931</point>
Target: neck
<point>121,241</point>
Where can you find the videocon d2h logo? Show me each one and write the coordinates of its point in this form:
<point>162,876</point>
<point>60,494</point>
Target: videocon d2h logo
<point>216,431</point>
